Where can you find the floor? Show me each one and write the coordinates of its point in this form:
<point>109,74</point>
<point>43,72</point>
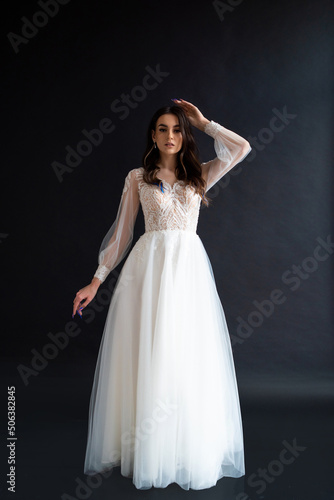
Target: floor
<point>287,443</point>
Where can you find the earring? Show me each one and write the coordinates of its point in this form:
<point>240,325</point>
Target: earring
<point>155,145</point>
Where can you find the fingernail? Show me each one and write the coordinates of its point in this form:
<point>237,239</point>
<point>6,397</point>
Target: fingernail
<point>174,99</point>
<point>80,308</point>
<point>72,315</point>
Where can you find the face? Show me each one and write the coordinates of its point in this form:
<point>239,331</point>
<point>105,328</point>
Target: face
<point>167,134</point>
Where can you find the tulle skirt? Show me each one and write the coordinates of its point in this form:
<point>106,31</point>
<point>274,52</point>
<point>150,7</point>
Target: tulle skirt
<point>164,403</point>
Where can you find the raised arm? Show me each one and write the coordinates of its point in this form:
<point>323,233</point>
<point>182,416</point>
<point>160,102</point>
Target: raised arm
<point>230,149</point>
<point>116,242</point>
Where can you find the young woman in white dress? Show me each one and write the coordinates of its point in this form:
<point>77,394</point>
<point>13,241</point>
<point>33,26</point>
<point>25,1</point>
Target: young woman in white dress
<point>164,403</point>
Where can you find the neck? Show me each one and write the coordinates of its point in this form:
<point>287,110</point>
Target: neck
<point>167,162</point>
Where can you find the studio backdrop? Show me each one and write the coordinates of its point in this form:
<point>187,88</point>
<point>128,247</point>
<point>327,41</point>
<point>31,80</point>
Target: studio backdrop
<point>81,81</point>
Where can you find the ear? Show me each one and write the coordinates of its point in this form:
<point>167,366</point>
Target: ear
<point>153,135</point>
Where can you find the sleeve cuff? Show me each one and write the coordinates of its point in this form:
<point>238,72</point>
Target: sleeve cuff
<point>101,273</point>
<point>212,128</point>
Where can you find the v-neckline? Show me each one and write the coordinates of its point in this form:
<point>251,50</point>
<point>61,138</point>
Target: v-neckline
<point>171,186</point>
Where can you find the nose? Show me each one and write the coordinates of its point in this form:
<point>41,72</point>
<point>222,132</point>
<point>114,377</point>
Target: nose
<point>170,134</point>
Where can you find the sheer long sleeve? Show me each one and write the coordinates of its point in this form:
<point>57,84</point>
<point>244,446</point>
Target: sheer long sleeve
<point>230,149</point>
<point>118,239</point>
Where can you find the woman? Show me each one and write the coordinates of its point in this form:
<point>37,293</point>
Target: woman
<point>164,403</point>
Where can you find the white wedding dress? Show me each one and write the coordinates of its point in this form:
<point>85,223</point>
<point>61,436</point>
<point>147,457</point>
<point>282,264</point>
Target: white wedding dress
<point>164,404</point>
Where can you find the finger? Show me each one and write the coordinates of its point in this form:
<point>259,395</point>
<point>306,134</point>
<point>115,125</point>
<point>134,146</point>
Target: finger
<point>82,306</point>
<point>187,103</point>
<point>85,304</point>
<point>76,305</point>
<point>78,311</point>
<point>181,102</point>
<point>185,108</point>
<point>77,298</point>
<point>77,301</point>
<point>75,308</point>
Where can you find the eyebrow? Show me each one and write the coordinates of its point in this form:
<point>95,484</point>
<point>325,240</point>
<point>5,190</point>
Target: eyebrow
<point>163,125</point>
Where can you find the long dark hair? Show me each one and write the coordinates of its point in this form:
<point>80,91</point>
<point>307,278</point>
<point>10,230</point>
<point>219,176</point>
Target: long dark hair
<point>188,166</point>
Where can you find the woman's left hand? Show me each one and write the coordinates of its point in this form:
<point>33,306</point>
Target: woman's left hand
<point>193,113</point>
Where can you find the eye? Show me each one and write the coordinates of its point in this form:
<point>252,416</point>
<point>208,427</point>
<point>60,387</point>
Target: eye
<point>162,130</point>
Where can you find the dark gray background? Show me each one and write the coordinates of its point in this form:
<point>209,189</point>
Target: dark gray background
<point>267,216</point>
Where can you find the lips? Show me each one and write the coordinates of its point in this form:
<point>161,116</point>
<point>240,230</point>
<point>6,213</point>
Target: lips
<point>169,144</point>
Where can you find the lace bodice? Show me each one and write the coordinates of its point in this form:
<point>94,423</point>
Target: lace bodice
<point>173,207</point>
<point>177,207</point>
